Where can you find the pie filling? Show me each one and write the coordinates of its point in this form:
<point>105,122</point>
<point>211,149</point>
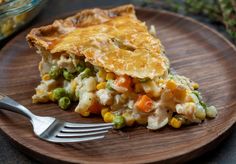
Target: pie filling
<point>111,64</point>
<point>124,100</point>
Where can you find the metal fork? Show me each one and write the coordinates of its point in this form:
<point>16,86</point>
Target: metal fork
<point>54,130</point>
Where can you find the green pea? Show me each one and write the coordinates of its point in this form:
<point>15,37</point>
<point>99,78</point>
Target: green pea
<point>67,75</point>
<point>86,73</point>
<point>108,85</point>
<point>80,67</point>
<point>119,122</point>
<point>58,93</point>
<point>55,72</point>
<point>64,103</point>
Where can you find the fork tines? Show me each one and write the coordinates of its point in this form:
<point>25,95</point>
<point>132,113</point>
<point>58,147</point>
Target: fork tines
<point>77,132</point>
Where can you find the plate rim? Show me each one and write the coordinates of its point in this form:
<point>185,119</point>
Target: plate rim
<point>220,136</point>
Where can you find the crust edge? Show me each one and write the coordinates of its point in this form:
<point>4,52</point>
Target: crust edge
<point>41,36</point>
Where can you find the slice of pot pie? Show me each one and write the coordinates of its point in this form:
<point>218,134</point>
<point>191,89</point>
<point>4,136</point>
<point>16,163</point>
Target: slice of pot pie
<point>111,64</point>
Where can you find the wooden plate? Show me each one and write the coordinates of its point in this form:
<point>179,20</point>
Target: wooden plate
<point>195,51</point>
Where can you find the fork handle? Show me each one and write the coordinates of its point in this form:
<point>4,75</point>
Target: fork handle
<point>9,104</point>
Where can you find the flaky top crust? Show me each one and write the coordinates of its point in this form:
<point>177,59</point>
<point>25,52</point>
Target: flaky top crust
<point>113,39</point>
<point>43,35</point>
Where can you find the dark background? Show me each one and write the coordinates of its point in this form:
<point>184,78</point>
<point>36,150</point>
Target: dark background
<point>224,153</point>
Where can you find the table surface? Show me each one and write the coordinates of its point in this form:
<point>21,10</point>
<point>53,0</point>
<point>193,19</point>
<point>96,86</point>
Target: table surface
<point>223,153</point>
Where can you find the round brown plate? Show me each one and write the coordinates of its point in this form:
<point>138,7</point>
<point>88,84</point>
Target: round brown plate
<point>194,50</point>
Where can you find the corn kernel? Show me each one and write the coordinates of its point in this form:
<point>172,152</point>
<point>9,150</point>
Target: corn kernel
<point>102,73</point>
<point>46,77</point>
<point>73,85</point>
<point>138,88</point>
<point>108,117</point>
<point>171,84</point>
<point>110,76</point>
<point>85,113</point>
<point>174,122</point>
<point>101,85</point>
<point>104,111</point>
<point>195,85</point>
<point>50,96</point>
<point>160,81</point>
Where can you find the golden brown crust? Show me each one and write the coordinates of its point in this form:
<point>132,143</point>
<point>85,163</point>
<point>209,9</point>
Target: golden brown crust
<point>43,35</point>
<point>112,39</point>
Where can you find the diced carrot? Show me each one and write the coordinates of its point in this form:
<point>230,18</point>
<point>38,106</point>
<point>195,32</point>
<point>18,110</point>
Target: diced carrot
<point>144,103</point>
<point>123,81</point>
<point>95,108</point>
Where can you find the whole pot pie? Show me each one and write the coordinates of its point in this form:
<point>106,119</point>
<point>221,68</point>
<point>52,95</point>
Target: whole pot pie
<point>111,64</point>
